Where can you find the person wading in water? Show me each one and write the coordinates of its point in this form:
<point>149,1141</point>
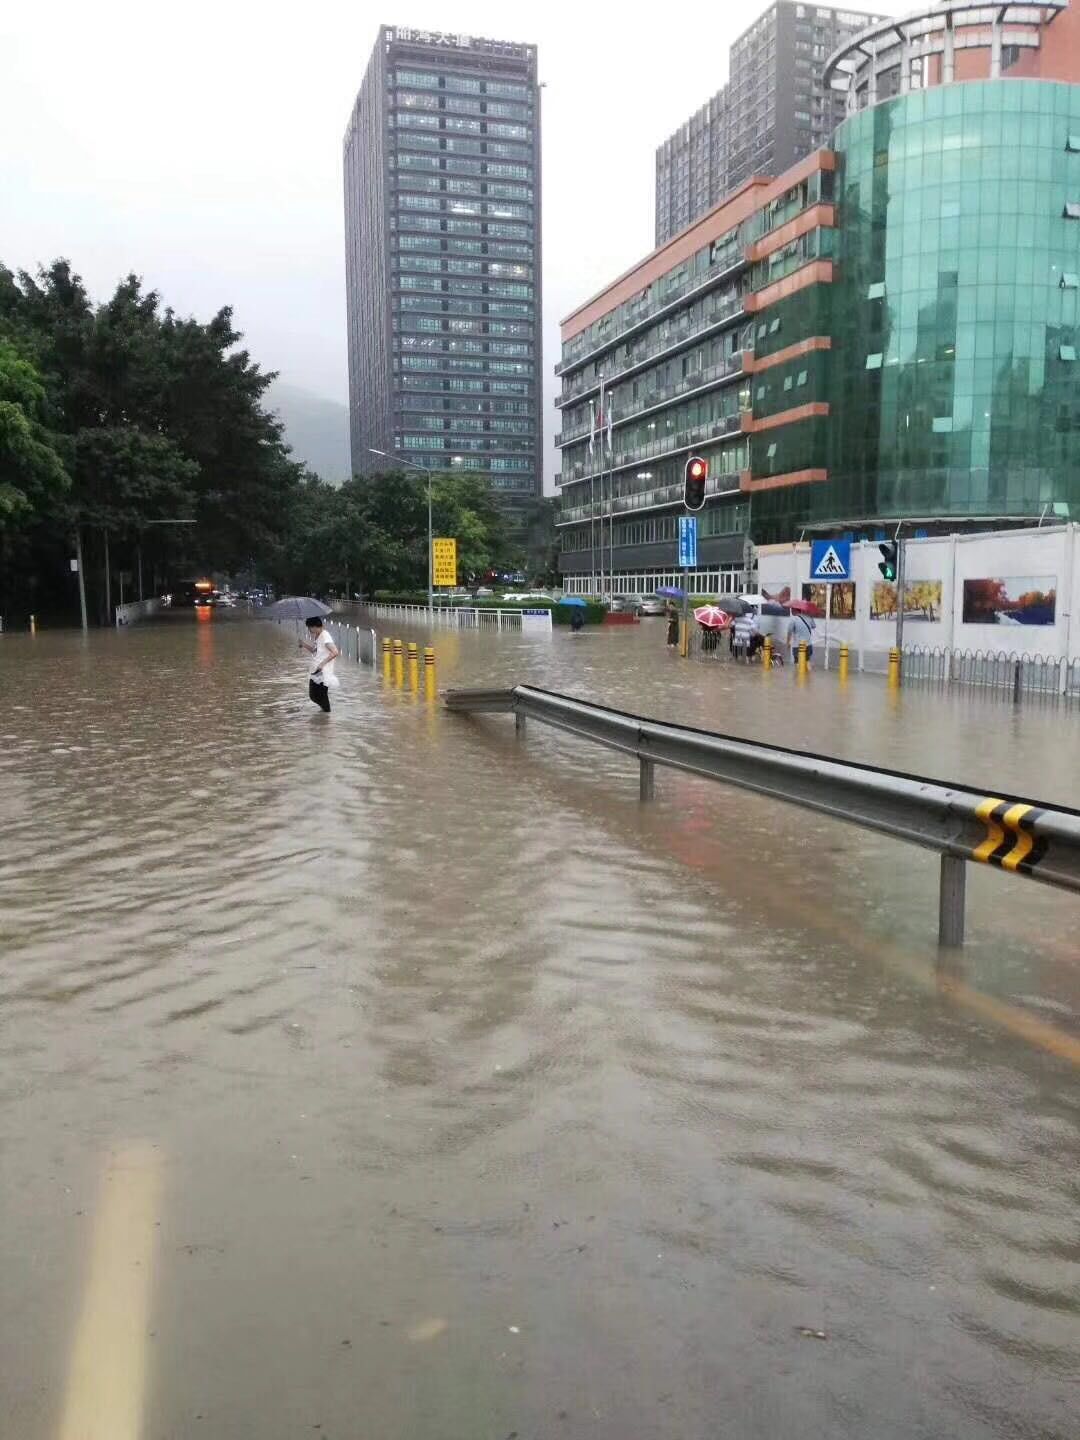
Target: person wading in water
<point>322,678</point>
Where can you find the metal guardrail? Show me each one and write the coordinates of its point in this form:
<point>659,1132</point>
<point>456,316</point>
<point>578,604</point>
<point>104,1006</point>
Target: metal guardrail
<point>1012,675</point>
<point>1024,837</point>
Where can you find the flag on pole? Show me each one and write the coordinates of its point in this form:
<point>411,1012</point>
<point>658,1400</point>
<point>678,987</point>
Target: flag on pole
<point>609,423</point>
<point>592,426</point>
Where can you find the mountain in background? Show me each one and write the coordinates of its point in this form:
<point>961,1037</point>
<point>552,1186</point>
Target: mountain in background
<point>316,429</point>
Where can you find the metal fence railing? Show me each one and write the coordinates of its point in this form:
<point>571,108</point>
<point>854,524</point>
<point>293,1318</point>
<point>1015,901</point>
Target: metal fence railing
<point>356,642</point>
<point>1024,837</point>
<point>466,617</point>
<point>1010,674</point>
<point>138,610</point>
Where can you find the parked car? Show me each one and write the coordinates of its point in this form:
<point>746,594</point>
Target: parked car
<point>620,604</point>
<point>650,605</point>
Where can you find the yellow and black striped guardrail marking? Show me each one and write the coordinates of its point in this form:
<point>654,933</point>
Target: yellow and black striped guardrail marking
<point>1010,839</point>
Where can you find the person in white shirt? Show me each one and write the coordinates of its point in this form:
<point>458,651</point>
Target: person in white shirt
<point>322,678</point>
<point>746,638</point>
<point>800,632</point>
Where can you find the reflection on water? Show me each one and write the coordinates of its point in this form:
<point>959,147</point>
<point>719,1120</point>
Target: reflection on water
<point>483,1102</point>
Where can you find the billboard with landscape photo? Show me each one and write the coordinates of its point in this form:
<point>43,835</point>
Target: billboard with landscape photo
<point>1029,600</point>
<point>922,600</point>
<point>843,597</point>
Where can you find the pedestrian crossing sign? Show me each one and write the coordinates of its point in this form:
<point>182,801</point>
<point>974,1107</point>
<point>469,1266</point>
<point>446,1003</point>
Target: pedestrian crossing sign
<point>830,560</point>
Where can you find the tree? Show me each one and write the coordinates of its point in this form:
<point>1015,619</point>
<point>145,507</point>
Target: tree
<point>158,417</point>
<point>32,471</point>
<point>372,532</point>
<point>541,540</point>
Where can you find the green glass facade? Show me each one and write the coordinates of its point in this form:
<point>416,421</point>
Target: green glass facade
<point>954,382</point>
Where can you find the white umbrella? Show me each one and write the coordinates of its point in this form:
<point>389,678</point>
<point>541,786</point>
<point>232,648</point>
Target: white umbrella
<point>752,599</point>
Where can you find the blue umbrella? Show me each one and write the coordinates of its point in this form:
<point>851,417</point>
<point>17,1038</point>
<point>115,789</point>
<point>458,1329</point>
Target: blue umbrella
<point>673,591</point>
<point>573,600</point>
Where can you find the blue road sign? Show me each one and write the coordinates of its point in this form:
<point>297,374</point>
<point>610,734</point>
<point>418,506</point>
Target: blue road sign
<point>830,560</point>
<point>688,540</point>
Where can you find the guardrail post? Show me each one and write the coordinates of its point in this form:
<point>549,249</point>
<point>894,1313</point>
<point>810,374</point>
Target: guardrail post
<point>1018,672</point>
<point>519,722</point>
<point>951,901</point>
<point>646,779</point>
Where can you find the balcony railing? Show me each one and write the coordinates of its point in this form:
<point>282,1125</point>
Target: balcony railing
<point>655,449</point>
<point>654,499</point>
<point>674,339</point>
<point>700,380</point>
<point>649,311</point>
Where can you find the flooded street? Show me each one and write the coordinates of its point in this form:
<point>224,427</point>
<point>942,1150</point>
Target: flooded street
<point>389,1076</point>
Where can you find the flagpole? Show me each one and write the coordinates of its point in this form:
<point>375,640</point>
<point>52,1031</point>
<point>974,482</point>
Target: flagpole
<point>592,500</point>
<point>611,495</point>
<point>600,426</point>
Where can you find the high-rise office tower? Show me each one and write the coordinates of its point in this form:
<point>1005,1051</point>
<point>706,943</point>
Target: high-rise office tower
<point>442,252</point>
<point>773,111</point>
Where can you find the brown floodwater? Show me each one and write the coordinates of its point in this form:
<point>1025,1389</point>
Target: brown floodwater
<point>388,1076</point>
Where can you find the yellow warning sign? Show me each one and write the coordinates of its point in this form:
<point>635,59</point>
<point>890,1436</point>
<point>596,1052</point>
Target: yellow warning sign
<point>444,562</point>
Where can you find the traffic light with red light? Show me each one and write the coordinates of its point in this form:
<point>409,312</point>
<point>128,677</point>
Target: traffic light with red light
<point>696,474</point>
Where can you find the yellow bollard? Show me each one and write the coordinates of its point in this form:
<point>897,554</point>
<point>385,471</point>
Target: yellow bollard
<point>894,669</point>
<point>766,655</point>
<point>399,663</point>
<point>844,658</point>
<point>684,638</point>
<point>429,672</point>
<point>33,625</point>
<point>386,658</point>
<point>414,666</point>
<point>804,664</point>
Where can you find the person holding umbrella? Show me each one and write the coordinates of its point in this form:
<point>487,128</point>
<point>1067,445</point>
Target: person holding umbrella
<point>322,678</point>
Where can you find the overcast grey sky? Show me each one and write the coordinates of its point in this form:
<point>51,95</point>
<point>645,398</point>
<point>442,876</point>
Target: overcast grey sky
<point>200,145</point>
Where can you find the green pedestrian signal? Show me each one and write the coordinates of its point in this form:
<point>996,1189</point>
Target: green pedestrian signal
<point>887,565</point>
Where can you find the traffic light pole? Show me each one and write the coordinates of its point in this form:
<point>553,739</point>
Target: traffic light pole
<point>901,577</point>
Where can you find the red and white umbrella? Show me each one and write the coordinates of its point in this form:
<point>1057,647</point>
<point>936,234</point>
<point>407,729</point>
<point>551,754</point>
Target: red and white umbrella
<point>712,617</point>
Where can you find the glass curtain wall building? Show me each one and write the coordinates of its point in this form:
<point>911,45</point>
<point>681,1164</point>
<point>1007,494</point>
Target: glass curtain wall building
<point>889,331</point>
<point>443,265</point>
<point>953,309</point>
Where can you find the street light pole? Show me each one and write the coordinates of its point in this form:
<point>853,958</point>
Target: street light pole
<point>425,470</point>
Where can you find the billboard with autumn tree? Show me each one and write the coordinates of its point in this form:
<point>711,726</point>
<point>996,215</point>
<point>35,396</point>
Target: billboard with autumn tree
<point>1030,600</point>
<point>922,600</point>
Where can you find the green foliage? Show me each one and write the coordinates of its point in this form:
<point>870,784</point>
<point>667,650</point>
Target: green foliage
<point>541,541</point>
<point>372,532</point>
<point>593,611</point>
<point>32,473</point>
<point>154,418</point>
